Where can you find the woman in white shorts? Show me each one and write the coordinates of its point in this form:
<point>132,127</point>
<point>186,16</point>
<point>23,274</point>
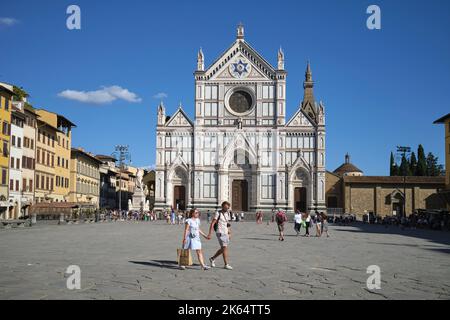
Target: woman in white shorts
<point>318,224</point>
<point>191,237</point>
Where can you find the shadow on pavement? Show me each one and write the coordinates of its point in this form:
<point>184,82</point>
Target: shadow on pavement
<point>434,236</point>
<point>158,263</point>
<point>259,239</point>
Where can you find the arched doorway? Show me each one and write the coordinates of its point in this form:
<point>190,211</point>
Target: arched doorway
<point>179,197</point>
<point>300,199</point>
<point>239,195</point>
<point>300,190</point>
<point>178,189</point>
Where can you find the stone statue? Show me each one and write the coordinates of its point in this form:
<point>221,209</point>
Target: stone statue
<point>139,177</point>
<point>239,122</point>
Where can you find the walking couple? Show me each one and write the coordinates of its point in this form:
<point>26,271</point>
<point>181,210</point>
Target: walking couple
<point>220,224</point>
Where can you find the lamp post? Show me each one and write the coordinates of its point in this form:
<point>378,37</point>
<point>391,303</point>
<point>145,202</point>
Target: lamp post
<point>403,151</point>
<point>122,155</point>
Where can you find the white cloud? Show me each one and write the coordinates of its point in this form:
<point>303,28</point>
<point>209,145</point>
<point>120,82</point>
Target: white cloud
<point>160,95</point>
<point>101,96</point>
<point>5,21</point>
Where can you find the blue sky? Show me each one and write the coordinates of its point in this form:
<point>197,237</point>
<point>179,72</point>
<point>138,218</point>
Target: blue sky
<point>381,88</point>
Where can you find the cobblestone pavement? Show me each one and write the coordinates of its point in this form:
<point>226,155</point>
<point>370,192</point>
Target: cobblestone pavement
<point>129,260</point>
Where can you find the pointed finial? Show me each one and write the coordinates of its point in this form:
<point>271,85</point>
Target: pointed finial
<point>200,60</point>
<point>240,31</point>
<point>280,59</point>
<point>308,74</point>
<point>180,106</point>
<point>347,158</point>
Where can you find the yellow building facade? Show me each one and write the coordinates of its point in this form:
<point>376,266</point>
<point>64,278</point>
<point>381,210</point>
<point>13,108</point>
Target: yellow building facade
<point>62,149</point>
<point>445,120</point>
<point>84,178</point>
<point>45,162</point>
<point>6,94</point>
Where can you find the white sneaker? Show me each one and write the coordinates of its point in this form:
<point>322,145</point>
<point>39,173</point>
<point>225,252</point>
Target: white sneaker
<point>228,267</point>
<point>205,267</point>
<point>213,264</point>
<point>182,268</point>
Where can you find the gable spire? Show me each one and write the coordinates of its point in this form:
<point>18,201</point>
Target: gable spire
<point>309,102</point>
<point>240,31</point>
<point>161,114</point>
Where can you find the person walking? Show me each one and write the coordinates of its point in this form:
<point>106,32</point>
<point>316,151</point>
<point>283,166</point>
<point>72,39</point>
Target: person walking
<point>220,224</point>
<point>191,237</point>
<point>281,218</point>
<point>325,224</point>
<point>208,216</point>
<point>307,219</point>
<point>298,222</point>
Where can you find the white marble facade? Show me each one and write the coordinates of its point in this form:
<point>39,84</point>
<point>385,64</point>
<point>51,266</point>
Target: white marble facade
<point>241,147</point>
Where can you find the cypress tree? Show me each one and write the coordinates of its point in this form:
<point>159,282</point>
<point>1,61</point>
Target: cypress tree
<point>404,167</point>
<point>393,170</point>
<point>421,162</point>
<point>413,164</point>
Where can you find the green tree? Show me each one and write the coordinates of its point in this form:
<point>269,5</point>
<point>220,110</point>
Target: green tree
<point>393,170</point>
<point>421,162</point>
<point>20,93</point>
<point>433,167</point>
<point>404,167</point>
<point>413,164</point>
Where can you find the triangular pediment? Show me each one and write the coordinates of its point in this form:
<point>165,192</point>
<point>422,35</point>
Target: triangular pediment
<point>179,119</point>
<point>238,142</point>
<point>258,67</point>
<point>300,119</point>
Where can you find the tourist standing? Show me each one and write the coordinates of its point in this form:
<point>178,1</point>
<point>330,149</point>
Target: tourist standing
<point>208,216</point>
<point>319,220</point>
<point>180,217</point>
<point>191,237</point>
<point>172,216</point>
<point>222,228</point>
<point>167,216</point>
<point>281,218</point>
<point>298,222</point>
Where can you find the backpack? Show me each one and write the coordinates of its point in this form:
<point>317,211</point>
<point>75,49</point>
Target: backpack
<point>281,217</point>
<point>216,225</point>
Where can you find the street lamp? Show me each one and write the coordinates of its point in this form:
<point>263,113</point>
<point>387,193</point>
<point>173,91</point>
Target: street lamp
<point>122,155</point>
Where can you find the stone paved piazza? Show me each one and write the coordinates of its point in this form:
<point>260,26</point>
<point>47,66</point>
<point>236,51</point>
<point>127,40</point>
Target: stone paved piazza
<point>129,260</point>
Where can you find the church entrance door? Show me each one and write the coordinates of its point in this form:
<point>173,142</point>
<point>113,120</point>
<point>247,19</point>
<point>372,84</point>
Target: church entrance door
<point>179,198</point>
<point>240,195</point>
<point>300,199</point>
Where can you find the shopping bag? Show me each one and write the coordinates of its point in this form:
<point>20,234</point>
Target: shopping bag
<point>184,257</point>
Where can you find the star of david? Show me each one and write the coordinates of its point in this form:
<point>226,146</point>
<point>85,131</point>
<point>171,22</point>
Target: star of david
<point>240,67</point>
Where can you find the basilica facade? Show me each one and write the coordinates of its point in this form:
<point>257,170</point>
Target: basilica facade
<point>242,146</point>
